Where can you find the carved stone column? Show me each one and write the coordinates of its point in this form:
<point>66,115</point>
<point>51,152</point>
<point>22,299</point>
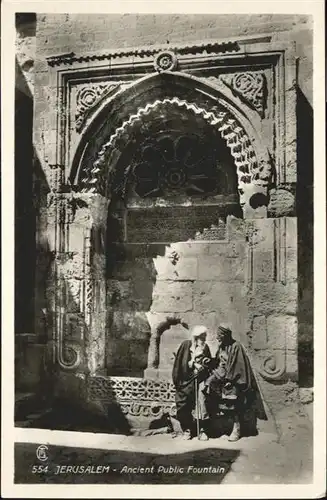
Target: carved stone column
<point>76,291</point>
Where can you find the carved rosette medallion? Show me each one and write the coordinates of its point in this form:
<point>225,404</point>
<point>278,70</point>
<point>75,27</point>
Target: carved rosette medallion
<point>89,96</point>
<point>165,61</point>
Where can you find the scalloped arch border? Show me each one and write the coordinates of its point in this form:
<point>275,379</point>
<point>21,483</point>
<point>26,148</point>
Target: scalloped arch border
<point>249,169</point>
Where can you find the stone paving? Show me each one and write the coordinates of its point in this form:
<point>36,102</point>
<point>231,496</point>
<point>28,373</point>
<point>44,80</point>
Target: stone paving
<point>264,459</point>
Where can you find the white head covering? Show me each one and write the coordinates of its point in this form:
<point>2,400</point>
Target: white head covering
<point>198,330</point>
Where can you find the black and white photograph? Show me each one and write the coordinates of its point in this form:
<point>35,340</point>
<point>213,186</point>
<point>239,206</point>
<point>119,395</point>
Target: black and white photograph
<point>164,320</point>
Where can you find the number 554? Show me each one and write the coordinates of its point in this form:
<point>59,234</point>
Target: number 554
<point>39,469</point>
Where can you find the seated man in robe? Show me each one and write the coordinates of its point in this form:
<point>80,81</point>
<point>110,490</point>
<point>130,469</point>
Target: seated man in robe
<point>189,373</point>
<point>231,386</point>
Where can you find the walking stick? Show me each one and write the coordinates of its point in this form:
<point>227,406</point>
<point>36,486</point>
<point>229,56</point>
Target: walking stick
<point>197,408</point>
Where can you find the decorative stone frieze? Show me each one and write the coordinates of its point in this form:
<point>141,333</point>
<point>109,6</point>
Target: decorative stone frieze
<point>137,397</point>
<point>184,49</point>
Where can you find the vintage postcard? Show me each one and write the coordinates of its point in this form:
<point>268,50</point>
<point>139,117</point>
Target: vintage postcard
<point>163,250</point>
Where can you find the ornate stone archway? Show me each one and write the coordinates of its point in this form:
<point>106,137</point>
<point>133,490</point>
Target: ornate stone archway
<point>78,205</point>
<point>255,174</point>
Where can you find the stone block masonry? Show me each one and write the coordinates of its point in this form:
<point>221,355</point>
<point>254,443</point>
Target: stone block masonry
<point>126,294</point>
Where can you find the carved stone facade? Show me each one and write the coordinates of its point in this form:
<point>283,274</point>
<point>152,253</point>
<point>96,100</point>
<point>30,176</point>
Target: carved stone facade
<point>239,264</point>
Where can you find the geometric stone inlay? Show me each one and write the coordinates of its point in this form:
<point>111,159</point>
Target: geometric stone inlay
<point>136,396</point>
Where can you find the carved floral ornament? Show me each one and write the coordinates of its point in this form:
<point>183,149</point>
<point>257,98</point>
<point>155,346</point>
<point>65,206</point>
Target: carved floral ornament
<point>165,61</point>
<point>250,170</point>
<point>89,96</point>
<point>249,85</point>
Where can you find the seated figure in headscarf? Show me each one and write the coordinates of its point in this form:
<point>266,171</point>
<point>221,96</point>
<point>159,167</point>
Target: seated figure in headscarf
<point>231,386</point>
<point>189,373</point>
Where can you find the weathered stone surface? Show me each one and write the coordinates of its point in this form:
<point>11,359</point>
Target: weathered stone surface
<point>74,326</point>
<point>189,248</point>
<point>73,294</point>
<point>228,249</point>
<point>273,298</point>
<point>100,295</point>
<point>236,228</point>
<point>71,266</point>
<point>291,231</point>
<point>119,293</point>
<point>259,332</point>
<point>129,325</point>
<point>213,233</point>
<point>139,269</point>
<point>76,237</point>
<point>98,328</point>
<point>172,297</point>
<point>227,269</point>
<point>261,233</point>
<point>281,203</point>
<point>225,300</point>
<point>263,266</point>
<point>183,269</point>
<point>291,264</point>
<point>282,332</point>
<point>292,365</point>
<point>306,395</point>
<point>212,296</point>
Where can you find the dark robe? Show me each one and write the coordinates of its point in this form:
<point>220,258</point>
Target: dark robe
<point>184,382</point>
<point>241,377</point>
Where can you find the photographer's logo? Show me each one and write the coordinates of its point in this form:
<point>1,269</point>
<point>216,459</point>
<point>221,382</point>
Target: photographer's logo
<point>41,452</point>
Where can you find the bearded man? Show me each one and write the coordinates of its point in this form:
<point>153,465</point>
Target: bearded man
<point>231,386</point>
<point>189,373</point>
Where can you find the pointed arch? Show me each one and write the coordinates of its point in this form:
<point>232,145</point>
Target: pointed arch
<point>114,109</point>
<point>95,179</point>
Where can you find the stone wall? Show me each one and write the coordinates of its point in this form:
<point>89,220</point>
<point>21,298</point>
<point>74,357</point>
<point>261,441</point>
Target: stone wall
<point>249,280</point>
<point>86,33</point>
<point>268,294</point>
